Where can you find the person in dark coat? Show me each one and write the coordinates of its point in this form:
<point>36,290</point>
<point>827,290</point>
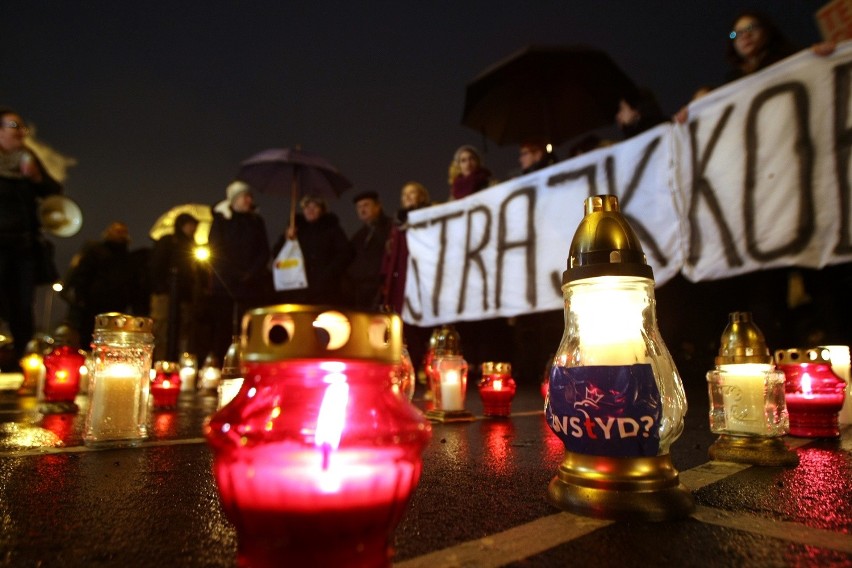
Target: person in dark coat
<point>239,261</point>
<point>363,277</point>
<point>413,196</point>
<point>173,276</point>
<point>104,277</point>
<point>326,250</point>
<point>23,180</point>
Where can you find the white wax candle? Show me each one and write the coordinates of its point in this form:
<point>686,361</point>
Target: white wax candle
<point>841,367</point>
<point>744,397</point>
<point>187,379</point>
<point>451,391</point>
<point>116,403</point>
<point>228,389</point>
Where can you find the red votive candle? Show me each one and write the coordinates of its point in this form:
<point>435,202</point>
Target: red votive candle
<point>62,374</point>
<point>814,394</point>
<point>317,457</point>
<point>497,389</point>
<point>165,386</point>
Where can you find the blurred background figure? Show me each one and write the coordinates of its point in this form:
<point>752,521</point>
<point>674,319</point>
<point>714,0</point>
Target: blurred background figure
<point>639,112</point>
<point>173,277</point>
<point>534,155</point>
<point>240,277</point>
<point>395,267</point>
<point>23,180</point>
<point>472,175</point>
<point>105,277</point>
<point>326,250</point>
<point>363,277</point>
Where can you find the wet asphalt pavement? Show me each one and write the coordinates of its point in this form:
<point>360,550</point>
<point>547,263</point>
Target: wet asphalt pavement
<point>481,501</point>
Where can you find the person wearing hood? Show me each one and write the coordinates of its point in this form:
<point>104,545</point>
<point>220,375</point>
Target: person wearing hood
<point>174,274</point>
<point>239,262</point>
<point>326,250</point>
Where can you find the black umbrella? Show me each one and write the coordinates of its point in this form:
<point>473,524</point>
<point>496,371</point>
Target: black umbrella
<point>545,93</point>
<point>292,170</point>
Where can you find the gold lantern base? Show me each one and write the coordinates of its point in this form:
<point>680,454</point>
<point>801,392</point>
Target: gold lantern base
<point>753,450</point>
<point>450,415</point>
<point>620,489</point>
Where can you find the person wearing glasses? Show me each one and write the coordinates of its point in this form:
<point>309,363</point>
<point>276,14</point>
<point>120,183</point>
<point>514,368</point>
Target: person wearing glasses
<point>23,181</point>
<point>756,43</point>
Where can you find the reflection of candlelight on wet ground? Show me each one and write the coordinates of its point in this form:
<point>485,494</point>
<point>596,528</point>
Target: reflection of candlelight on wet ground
<point>499,436</point>
<point>165,424</point>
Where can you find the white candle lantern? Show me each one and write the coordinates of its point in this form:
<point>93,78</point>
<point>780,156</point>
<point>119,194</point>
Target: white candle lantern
<point>615,398</point>
<point>449,379</point>
<point>122,348</point>
<point>840,366</point>
<point>747,406</point>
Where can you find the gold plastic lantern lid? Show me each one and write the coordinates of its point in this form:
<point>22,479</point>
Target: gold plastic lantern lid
<point>295,331</point>
<point>448,341</point>
<point>118,322</point>
<point>605,244</point>
<point>742,342</point>
<point>496,368</point>
<point>799,355</point>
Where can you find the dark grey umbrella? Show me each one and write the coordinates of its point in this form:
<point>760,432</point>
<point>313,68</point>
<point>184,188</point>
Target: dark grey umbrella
<point>293,171</point>
<point>545,93</point>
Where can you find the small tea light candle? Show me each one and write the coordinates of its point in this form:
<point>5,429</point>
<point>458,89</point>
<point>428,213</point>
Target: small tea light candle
<point>165,387</point>
<point>497,389</point>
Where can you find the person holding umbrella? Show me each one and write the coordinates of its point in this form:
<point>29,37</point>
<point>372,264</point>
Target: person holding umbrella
<point>239,259</point>
<point>326,250</point>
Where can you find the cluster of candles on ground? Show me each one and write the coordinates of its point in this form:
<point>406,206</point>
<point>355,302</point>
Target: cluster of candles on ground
<point>119,378</point>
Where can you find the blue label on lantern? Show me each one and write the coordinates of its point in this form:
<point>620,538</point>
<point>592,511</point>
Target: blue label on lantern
<point>605,410</point>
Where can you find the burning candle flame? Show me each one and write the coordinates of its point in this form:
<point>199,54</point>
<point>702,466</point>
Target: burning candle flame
<point>497,384</point>
<point>806,385</point>
<point>331,419</point>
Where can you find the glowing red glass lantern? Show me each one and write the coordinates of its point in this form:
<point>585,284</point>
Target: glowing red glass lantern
<point>165,386</point>
<point>497,389</point>
<point>813,392</point>
<point>316,457</point>
<point>62,374</point>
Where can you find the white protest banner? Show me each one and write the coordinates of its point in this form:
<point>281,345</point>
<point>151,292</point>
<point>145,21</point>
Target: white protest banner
<point>759,177</point>
<point>502,251</point>
<point>764,169</point>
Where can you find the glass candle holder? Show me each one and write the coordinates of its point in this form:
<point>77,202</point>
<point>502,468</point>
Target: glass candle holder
<point>615,398</point>
<point>747,400</point>
<point>188,372</point>
<point>497,389</point>
<point>451,377</point>
<point>62,374</point>
<point>814,394</point>
<point>316,457</point>
<point>165,386</point>
<point>122,348</point>
<point>404,379</point>
<point>841,367</point>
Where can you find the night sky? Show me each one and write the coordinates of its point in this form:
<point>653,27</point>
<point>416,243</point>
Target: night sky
<point>160,101</point>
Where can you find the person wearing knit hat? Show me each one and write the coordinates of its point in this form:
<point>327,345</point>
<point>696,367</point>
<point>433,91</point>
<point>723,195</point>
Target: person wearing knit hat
<point>239,262</point>
<point>238,197</point>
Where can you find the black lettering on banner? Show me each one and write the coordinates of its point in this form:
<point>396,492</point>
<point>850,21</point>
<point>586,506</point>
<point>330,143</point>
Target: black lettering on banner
<point>587,172</point>
<point>804,153</point>
<point>414,272</point>
<point>644,234</point>
<point>842,147</point>
<point>474,255</point>
<point>701,188</point>
<point>442,252</point>
<point>504,245</point>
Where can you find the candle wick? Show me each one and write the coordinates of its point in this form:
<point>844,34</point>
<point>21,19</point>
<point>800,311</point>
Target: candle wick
<point>326,455</point>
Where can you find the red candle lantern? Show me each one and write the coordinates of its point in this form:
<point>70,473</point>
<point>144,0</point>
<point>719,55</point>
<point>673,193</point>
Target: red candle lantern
<point>165,386</point>
<point>62,374</point>
<point>813,392</point>
<point>317,457</point>
<point>497,389</point>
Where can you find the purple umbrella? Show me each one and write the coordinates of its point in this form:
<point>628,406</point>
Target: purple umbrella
<point>283,170</point>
